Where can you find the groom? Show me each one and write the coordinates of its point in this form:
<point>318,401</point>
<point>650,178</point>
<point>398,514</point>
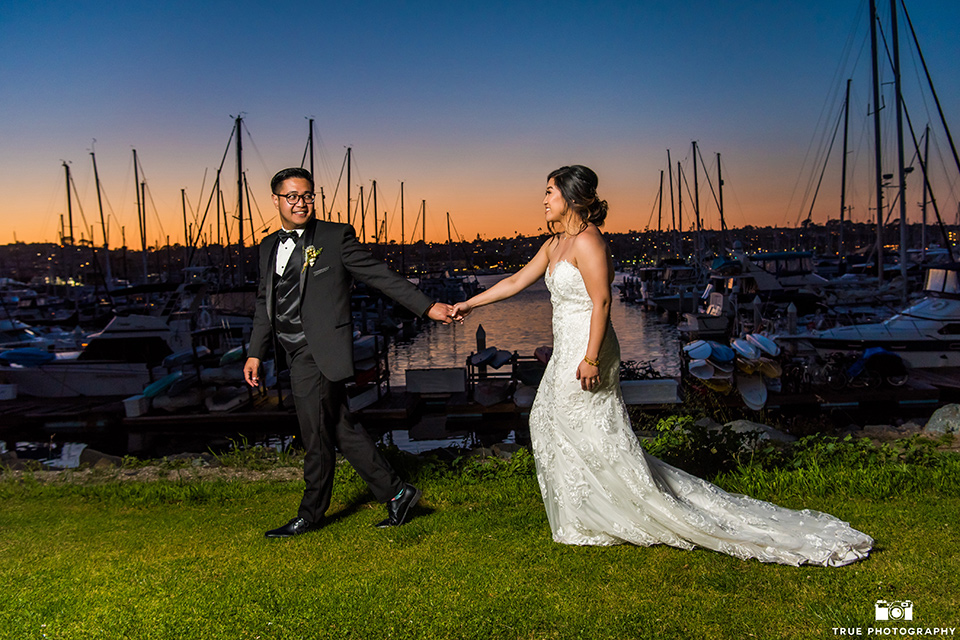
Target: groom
<point>303,302</point>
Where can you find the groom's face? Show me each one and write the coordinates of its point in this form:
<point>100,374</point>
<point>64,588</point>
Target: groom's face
<point>298,214</point>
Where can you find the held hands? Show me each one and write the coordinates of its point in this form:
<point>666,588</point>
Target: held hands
<point>251,372</point>
<point>461,310</point>
<point>588,375</point>
<point>441,312</point>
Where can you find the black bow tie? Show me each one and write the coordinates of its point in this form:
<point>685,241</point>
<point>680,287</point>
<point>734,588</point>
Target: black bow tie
<point>285,235</point>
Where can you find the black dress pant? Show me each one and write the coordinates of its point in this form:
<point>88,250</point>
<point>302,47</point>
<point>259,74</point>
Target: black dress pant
<point>327,424</point>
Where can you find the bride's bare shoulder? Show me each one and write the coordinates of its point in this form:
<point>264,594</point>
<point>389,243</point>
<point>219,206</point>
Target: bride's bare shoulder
<point>592,240</point>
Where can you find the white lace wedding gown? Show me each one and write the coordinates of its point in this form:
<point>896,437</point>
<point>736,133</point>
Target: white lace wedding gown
<point>601,488</point>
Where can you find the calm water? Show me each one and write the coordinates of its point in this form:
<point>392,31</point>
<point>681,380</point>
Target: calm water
<point>523,323</point>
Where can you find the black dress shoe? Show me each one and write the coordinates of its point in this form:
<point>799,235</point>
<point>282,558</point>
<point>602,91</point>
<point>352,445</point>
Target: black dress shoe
<point>295,527</point>
<point>398,509</point>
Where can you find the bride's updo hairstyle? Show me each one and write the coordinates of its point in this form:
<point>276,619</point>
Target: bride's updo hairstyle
<point>578,186</point>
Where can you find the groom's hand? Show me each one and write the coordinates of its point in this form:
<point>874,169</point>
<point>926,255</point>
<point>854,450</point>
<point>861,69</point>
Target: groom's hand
<point>251,372</point>
<point>441,312</point>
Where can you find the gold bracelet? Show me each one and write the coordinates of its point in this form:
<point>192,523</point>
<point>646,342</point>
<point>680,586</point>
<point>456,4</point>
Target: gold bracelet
<point>592,363</point>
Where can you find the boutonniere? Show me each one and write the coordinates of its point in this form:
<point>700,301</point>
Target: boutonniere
<point>310,255</point>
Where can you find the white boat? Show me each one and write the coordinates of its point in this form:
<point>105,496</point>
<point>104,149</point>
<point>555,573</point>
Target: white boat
<point>115,362</point>
<point>926,334</point>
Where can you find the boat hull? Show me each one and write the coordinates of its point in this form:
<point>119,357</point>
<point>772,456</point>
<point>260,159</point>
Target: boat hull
<point>73,379</point>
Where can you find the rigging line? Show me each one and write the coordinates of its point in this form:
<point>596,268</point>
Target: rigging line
<point>952,182</point>
<point>256,151</point>
<point>79,206</point>
<point>193,213</point>
<point>156,215</point>
<point>693,221</point>
<point>215,190</point>
<point>250,198</point>
<point>901,104</point>
<point>456,232</point>
<point>203,185</point>
<point>829,102</point>
<point>333,200</point>
<point>706,174</point>
<point>731,178</point>
<point>823,151</point>
<point>926,178</point>
<point>324,157</point>
<point>416,225</point>
<point>303,158</point>
<point>936,98</point>
<point>823,170</point>
<point>394,216</point>
<point>653,209</point>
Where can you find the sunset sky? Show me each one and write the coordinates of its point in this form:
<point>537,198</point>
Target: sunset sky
<point>469,104</point>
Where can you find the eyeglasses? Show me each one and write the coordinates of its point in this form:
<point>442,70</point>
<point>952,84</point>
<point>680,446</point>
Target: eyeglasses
<point>294,198</point>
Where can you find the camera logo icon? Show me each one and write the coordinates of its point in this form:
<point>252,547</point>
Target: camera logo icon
<point>894,610</point>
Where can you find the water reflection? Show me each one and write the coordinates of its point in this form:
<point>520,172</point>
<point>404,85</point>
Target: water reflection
<point>523,323</point>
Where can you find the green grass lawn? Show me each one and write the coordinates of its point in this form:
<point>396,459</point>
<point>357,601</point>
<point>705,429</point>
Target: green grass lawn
<point>189,560</point>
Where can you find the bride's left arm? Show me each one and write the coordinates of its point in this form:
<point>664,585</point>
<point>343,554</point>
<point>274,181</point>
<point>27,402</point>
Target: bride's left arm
<point>594,266</point>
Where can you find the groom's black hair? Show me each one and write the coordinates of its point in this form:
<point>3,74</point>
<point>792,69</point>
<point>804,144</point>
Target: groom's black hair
<point>286,174</point>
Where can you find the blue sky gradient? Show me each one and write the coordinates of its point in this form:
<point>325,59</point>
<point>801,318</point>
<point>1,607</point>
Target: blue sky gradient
<point>470,104</point>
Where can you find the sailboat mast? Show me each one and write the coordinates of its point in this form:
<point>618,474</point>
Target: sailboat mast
<point>68,239</point>
<point>673,212</point>
<point>680,203</point>
<point>923,205</point>
<point>403,265</point>
<point>103,224</point>
<point>363,219</point>
<point>143,229</point>
<point>186,232</point>
<point>723,222</point>
<point>449,242</point>
<point>901,173</point>
<point>376,224</point>
<point>141,212</point>
<point>349,150</point>
<point>218,196</point>
<point>843,171</point>
<point>310,143</point>
<point>878,169</point>
<point>660,216</point>
<point>240,266</point>
<point>696,203</point>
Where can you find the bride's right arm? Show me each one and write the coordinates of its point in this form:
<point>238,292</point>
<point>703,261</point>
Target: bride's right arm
<point>510,286</point>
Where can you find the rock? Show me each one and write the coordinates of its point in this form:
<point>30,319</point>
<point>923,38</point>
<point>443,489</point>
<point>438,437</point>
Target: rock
<point>505,450</point>
<point>482,452</point>
<point>946,419</point>
<point>708,423</point>
<point>12,461</point>
<point>766,432</point>
<point>882,432</point>
<point>910,427</point>
<point>98,459</point>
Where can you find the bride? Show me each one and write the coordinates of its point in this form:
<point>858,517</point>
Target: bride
<point>599,486</point>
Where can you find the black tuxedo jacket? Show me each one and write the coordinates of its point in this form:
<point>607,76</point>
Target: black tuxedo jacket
<point>325,294</point>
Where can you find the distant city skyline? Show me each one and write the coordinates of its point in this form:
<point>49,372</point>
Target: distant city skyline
<point>469,105</point>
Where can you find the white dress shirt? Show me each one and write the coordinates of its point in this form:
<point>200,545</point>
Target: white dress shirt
<point>284,251</point>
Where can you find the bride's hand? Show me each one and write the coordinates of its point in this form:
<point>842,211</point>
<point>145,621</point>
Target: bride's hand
<point>588,375</point>
<point>460,311</point>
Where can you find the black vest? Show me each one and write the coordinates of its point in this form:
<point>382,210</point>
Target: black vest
<point>287,297</point>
